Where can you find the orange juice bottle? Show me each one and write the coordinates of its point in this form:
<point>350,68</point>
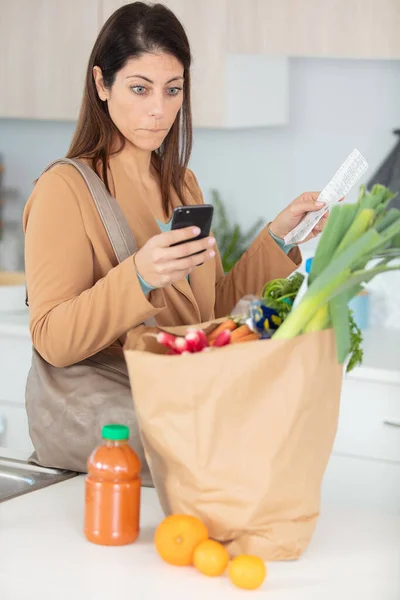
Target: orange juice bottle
<point>112,490</point>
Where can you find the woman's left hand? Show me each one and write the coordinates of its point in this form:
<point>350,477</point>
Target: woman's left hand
<point>292,215</point>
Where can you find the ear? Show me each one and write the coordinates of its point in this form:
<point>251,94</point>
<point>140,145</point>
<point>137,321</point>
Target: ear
<point>99,81</point>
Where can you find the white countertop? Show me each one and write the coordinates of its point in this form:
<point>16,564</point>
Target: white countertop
<point>354,554</point>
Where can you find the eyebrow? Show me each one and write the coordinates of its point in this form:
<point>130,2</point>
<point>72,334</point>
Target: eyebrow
<point>150,81</point>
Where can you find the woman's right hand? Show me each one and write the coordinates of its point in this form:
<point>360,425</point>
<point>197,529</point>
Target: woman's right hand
<point>159,264</point>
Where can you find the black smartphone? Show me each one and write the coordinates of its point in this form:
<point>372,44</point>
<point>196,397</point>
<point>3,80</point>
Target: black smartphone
<point>199,215</point>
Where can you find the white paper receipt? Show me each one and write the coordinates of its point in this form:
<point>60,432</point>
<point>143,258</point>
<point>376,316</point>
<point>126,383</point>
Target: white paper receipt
<point>344,179</point>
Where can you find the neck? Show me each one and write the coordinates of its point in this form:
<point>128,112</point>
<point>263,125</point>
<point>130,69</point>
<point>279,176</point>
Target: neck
<point>136,162</point>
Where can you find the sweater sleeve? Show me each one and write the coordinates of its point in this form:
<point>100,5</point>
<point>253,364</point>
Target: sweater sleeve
<point>264,260</point>
<point>146,287</point>
<point>73,317</point>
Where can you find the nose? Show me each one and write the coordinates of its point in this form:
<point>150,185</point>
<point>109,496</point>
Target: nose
<point>156,109</point>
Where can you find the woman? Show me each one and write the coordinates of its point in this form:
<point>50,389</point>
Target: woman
<point>135,132</point>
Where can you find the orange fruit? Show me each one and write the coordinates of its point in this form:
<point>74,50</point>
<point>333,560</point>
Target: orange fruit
<point>177,537</point>
<point>211,558</point>
<point>247,572</point>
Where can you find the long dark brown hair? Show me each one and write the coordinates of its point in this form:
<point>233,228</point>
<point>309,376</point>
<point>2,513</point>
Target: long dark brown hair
<point>133,30</point>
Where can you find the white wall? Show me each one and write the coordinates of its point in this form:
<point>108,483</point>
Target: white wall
<point>335,105</point>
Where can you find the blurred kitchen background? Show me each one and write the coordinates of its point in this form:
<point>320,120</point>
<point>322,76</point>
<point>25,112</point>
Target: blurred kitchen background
<point>283,91</point>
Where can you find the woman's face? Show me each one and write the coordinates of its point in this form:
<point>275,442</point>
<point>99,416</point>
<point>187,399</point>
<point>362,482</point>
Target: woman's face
<point>145,98</point>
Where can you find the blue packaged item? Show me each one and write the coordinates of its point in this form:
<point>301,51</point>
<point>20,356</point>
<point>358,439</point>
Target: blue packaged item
<point>263,319</point>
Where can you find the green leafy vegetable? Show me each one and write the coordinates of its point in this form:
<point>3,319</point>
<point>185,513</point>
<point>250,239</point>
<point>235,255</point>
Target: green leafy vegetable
<point>356,351</point>
<point>279,294</point>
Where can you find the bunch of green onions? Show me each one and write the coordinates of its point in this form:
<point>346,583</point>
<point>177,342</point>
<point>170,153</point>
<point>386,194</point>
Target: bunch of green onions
<point>359,241</point>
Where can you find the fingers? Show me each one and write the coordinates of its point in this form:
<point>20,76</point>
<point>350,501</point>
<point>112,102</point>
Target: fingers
<point>321,224</point>
<point>318,229</point>
<point>313,195</point>
<point>307,202</point>
<point>190,262</point>
<point>311,204</point>
<point>182,266</point>
<point>186,249</point>
<point>308,198</point>
<point>166,239</point>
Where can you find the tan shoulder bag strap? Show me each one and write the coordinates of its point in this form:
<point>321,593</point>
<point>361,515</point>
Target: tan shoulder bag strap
<point>119,233</point>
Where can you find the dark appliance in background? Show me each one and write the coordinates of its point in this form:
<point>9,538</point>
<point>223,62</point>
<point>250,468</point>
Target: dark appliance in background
<point>388,173</point>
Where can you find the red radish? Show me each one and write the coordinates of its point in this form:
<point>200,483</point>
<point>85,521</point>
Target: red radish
<point>181,345</point>
<point>223,338</point>
<point>166,339</point>
<point>203,338</point>
<point>192,342</point>
<point>196,340</point>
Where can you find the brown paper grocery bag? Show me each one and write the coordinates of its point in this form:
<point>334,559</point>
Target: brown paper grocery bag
<point>240,436</point>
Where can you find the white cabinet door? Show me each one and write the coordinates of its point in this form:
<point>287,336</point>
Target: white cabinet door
<point>44,50</point>
<point>362,484</point>
<point>332,28</point>
<point>14,431</point>
<point>369,420</point>
<point>15,362</point>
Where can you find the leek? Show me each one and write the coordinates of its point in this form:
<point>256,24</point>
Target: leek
<point>354,235</point>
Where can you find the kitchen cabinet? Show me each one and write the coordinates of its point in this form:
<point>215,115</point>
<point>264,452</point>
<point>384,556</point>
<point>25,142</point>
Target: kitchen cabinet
<point>332,28</point>
<point>369,425</point>
<point>361,483</point>
<point>15,361</point>
<point>44,50</point>
<point>369,421</point>
<point>240,50</point>
<point>229,90</point>
<point>45,46</point>
<point>14,430</point>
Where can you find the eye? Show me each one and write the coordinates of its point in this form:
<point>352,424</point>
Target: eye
<point>138,89</point>
<point>174,91</point>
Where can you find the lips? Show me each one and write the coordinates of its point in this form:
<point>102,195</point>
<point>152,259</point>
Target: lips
<point>162,130</point>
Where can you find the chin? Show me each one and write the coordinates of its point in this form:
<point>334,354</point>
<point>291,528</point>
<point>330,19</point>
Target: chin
<point>148,144</point>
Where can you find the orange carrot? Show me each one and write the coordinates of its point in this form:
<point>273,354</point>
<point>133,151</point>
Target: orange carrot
<point>240,332</point>
<point>248,338</point>
<point>228,325</point>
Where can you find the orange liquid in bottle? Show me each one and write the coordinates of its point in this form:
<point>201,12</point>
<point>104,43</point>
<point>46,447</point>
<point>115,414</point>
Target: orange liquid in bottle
<point>112,490</point>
